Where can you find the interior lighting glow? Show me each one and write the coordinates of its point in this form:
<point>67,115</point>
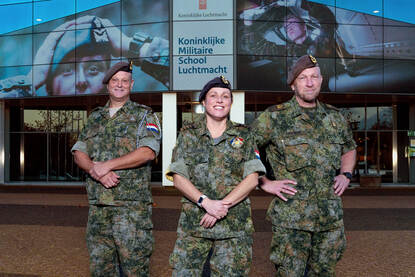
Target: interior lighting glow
<point>376,11</point>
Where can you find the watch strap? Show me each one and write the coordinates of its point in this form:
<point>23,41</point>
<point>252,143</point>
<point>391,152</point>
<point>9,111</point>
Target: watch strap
<point>348,175</point>
<point>201,198</point>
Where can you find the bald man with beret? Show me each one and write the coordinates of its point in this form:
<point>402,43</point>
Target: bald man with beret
<point>311,151</point>
<point>116,148</point>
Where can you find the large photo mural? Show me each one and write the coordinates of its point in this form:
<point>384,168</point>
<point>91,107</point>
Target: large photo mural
<point>357,52</point>
<point>70,55</point>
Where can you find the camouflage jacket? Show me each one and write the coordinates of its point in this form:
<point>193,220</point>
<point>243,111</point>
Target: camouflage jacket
<point>215,169</point>
<point>308,151</point>
<point>104,138</point>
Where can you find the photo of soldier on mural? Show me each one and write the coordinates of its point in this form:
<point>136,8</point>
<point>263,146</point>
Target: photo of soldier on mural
<point>72,58</point>
<point>273,34</point>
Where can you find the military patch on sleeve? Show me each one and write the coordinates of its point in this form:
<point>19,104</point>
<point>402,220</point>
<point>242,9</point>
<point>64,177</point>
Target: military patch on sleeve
<point>152,127</point>
<point>237,142</point>
<point>257,154</point>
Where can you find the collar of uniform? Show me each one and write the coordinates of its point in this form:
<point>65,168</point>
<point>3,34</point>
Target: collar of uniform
<point>127,105</point>
<point>297,110</point>
<point>202,128</point>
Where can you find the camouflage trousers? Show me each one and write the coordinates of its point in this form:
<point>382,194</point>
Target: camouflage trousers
<point>230,257</point>
<point>295,251</point>
<point>116,244</point>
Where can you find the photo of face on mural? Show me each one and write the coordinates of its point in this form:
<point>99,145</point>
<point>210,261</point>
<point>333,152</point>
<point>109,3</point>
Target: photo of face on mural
<point>74,57</point>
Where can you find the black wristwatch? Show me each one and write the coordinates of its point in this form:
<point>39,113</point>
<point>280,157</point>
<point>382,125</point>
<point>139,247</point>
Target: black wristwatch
<point>348,175</point>
<point>201,198</point>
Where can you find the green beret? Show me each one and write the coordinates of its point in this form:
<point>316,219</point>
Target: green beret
<point>304,62</point>
<point>119,66</point>
<point>217,82</point>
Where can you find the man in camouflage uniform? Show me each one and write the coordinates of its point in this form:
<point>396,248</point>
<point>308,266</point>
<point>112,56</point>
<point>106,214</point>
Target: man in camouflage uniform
<point>215,167</point>
<point>116,147</point>
<point>308,144</point>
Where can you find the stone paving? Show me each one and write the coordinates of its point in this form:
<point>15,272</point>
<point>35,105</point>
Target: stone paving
<point>42,233</point>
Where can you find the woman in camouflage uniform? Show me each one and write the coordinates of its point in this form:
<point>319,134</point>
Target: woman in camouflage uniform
<point>215,165</point>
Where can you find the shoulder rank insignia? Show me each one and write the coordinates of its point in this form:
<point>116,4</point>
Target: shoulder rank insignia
<point>237,142</point>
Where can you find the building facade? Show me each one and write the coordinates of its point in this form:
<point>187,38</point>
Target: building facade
<point>54,55</point>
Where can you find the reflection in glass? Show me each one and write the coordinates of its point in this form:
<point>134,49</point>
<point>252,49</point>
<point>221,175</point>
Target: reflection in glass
<point>8,46</point>
<point>270,73</point>
<point>45,11</point>
<point>368,12</point>
<point>15,82</point>
<point>358,75</point>
<point>399,43</point>
<point>11,23</point>
<point>355,117</point>
<point>144,11</point>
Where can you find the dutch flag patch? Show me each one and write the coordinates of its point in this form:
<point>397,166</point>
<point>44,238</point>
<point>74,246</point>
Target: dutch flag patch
<point>152,127</point>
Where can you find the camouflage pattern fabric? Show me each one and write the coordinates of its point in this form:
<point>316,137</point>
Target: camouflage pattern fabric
<point>119,223</point>
<point>117,242</point>
<point>308,151</point>
<point>230,257</point>
<point>293,250</point>
<point>105,138</point>
<point>215,169</point>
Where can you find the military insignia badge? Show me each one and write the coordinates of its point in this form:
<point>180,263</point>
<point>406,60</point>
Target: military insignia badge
<point>131,65</point>
<point>279,106</point>
<point>224,80</point>
<point>237,142</point>
<point>257,154</point>
<point>313,59</point>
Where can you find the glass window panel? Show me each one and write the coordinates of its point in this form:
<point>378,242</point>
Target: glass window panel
<point>359,12</point>
<point>385,159</point>
<point>150,77</point>
<point>261,38</point>
<point>360,139</point>
<point>399,76</point>
<point>10,22</point>
<point>143,11</point>
<point>360,41</point>
<point>62,43</point>
<point>372,152</point>
<point>159,32</point>
<point>262,73</point>
<point>400,12</point>
<point>371,118</point>
<point>355,117</point>
<point>109,14</point>
<point>385,118</point>
<point>15,82</point>
<point>61,164</point>
<point>16,50</point>
<point>399,43</point>
<point>35,161</point>
<point>47,11</point>
<point>357,75</point>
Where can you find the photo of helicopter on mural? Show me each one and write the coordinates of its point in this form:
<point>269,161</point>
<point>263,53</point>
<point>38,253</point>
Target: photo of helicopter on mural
<point>357,51</point>
<point>69,53</point>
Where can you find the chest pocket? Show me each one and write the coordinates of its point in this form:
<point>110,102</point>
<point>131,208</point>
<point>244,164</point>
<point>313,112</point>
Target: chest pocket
<point>126,137</point>
<point>197,161</point>
<point>298,153</point>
